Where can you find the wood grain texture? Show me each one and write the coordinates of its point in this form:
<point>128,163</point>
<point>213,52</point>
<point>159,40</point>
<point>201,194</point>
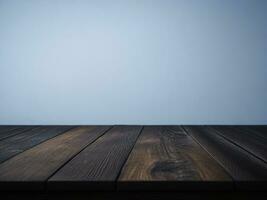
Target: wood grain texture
<point>15,131</point>
<point>247,140</point>
<point>160,158</point>
<point>241,165</point>
<point>98,165</point>
<point>16,144</point>
<point>169,156</point>
<point>37,164</point>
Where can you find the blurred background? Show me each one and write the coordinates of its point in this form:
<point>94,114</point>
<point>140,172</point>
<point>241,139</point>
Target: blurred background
<point>133,62</point>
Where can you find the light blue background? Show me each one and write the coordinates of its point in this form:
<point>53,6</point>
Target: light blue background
<point>133,62</point>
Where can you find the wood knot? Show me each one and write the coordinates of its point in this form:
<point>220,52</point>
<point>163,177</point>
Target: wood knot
<point>173,170</point>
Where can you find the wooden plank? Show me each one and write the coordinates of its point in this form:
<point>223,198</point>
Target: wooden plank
<point>4,128</point>
<point>37,164</point>
<point>260,128</point>
<point>247,171</point>
<point>15,131</point>
<point>98,165</point>
<point>16,144</point>
<point>249,141</point>
<point>257,130</point>
<point>166,158</point>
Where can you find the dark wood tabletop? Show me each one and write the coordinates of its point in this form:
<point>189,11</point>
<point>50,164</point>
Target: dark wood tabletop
<point>133,158</point>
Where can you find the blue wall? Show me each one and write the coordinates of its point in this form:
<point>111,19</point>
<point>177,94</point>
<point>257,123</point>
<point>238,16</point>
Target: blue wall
<point>133,62</point>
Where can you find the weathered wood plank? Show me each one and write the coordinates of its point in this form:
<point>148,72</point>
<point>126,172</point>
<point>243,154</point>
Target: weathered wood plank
<point>98,165</point>
<point>15,131</point>
<point>4,128</point>
<point>16,144</point>
<point>261,128</point>
<point>247,171</point>
<point>166,158</point>
<point>249,141</point>
<point>37,164</point>
<point>257,130</point>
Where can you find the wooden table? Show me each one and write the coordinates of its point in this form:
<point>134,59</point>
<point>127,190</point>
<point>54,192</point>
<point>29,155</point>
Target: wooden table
<point>127,160</point>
